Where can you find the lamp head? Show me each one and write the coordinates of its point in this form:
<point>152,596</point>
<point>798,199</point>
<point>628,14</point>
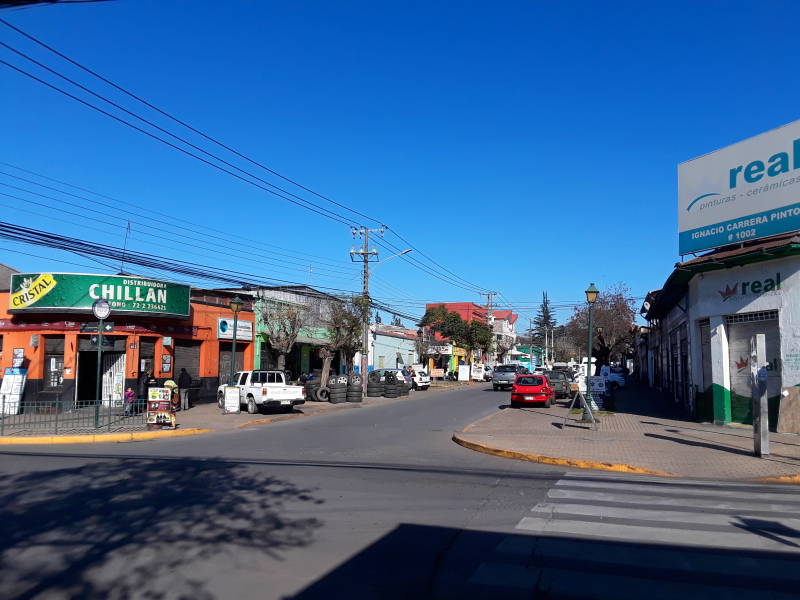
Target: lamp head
<point>236,304</point>
<point>591,293</point>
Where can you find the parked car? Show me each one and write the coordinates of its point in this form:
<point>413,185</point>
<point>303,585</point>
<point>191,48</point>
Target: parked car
<point>421,380</point>
<point>398,373</point>
<point>504,375</point>
<point>614,376</point>
<point>559,382</point>
<point>264,388</point>
<point>531,389</point>
<point>487,373</point>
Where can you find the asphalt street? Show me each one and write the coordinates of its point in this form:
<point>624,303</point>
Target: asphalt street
<point>376,502</point>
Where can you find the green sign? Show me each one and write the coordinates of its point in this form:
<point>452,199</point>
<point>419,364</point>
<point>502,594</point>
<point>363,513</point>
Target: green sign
<point>70,292</point>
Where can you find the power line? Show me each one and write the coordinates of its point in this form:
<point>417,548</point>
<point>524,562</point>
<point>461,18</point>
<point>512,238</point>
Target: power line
<point>327,214</point>
<point>180,122</point>
<point>204,135</point>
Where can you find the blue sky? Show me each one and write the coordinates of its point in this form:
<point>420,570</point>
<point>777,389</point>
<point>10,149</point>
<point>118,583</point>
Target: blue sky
<point>525,146</point>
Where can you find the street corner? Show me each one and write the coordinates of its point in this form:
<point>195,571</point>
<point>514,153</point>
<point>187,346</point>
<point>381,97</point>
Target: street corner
<point>135,436</point>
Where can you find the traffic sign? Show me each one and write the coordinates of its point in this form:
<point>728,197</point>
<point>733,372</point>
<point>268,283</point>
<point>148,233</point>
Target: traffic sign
<point>94,327</point>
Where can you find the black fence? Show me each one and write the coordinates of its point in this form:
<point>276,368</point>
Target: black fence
<point>31,417</point>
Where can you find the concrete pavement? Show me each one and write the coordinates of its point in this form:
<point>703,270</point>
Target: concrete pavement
<point>376,503</point>
<point>637,438</point>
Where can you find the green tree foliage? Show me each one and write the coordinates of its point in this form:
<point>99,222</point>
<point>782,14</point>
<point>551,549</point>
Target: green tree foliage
<point>543,321</point>
<point>470,335</point>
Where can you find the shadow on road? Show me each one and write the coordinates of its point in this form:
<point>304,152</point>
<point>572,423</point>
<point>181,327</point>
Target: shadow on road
<point>136,528</point>
<point>420,561</point>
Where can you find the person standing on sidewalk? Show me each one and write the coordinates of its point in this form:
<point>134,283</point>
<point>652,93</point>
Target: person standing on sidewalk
<point>184,383</point>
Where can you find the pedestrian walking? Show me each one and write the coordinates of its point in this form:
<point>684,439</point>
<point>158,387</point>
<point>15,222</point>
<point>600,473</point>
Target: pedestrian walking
<point>130,396</point>
<point>184,383</point>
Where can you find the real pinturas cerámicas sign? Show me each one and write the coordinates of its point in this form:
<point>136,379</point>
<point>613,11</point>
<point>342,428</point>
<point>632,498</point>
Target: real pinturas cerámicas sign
<point>72,292</point>
<point>740,193</point>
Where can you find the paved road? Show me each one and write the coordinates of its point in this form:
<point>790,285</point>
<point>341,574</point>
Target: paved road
<point>373,503</point>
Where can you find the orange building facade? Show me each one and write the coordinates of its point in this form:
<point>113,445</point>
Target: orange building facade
<point>59,349</point>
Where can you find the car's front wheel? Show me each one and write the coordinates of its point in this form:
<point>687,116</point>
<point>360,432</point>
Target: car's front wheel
<point>221,400</point>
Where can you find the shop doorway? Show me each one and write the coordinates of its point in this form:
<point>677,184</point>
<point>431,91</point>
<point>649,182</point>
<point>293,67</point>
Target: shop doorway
<point>112,371</point>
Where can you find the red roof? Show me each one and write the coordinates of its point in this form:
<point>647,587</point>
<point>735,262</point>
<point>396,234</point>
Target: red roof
<point>506,315</point>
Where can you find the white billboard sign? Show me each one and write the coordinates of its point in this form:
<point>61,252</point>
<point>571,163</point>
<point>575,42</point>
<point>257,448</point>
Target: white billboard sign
<point>244,329</point>
<point>740,193</point>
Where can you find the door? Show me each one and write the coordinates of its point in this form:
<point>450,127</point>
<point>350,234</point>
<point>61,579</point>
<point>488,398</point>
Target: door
<point>113,378</point>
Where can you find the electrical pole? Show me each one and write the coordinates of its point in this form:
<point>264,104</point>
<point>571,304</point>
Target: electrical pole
<point>489,317</point>
<point>364,255</point>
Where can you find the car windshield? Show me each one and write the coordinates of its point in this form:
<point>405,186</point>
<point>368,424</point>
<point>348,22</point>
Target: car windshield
<point>556,375</point>
<point>506,369</point>
<point>531,380</point>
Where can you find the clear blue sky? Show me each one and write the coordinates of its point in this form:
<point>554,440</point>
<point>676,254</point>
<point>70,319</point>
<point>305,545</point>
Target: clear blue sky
<point>526,146</point>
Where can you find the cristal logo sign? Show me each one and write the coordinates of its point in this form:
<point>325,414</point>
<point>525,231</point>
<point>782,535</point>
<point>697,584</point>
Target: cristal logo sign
<point>744,288</point>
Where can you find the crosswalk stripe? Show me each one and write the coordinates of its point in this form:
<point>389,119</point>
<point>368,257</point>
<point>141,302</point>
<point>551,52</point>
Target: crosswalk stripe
<point>722,539</point>
<point>633,478</point>
<point>660,516</point>
<point>784,498</point>
<point>690,503</point>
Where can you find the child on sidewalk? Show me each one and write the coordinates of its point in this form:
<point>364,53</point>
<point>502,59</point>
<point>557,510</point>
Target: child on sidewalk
<point>129,398</point>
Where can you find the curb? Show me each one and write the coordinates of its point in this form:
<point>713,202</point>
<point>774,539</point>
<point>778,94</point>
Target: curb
<point>564,462</point>
<point>779,479</point>
<point>100,437</point>
<point>271,420</point>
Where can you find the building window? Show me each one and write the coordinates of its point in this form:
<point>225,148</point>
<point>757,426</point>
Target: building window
<point>410,358</point>
<point>381,362</point>
<point>53,361</point>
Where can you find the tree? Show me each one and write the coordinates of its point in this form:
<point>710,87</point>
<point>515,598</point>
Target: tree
<point>283,322</point>
<point>471,335</point>
<point>345,325</point>
<point>614,313</point>
<point>543,322</point>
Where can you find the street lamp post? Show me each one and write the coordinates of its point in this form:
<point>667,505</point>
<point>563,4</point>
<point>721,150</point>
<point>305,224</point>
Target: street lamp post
<point>591,296</point>
<point>101,309</point>
<point>236,305</point>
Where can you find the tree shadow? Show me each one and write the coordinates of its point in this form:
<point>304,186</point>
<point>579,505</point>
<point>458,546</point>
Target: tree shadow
<point>121,528</point>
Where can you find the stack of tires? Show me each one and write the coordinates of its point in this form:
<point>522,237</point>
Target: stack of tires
<point>391,389</point>
<point>375,387</point>
<point>354,388</point>
<point>404,388</point>
<point>313,385</point>
<point>338,386</point>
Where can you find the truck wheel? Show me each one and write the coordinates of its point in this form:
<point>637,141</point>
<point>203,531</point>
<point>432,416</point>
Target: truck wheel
<point>494,387</point>
<point>221,400</point>
<point>252,407</point>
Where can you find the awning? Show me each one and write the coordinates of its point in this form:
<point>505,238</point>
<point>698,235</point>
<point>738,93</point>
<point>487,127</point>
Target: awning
<point>302,339</point>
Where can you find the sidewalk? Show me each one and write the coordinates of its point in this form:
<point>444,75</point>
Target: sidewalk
<point>638,436</point>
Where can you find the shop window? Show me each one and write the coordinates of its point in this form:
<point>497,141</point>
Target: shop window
<point>53,361</point>
<point>381,362</point>
<point>410,358</point>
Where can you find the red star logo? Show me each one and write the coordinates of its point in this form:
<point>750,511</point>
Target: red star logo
<point>742,363</point>
<point>728,292</point>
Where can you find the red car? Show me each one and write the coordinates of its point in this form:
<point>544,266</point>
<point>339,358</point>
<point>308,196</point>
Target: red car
<point>532,389</point>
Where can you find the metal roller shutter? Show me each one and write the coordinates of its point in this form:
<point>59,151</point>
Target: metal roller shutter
<point>187,356</point>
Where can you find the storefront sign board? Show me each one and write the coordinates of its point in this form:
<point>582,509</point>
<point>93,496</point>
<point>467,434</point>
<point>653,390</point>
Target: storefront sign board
<point>73,292</point>
<point>742,192</point>
<point>12,389</point>
<point>244,329</point>
<point>232,405</point>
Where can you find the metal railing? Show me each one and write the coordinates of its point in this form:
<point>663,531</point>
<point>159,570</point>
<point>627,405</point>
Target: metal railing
<point>60,416</point>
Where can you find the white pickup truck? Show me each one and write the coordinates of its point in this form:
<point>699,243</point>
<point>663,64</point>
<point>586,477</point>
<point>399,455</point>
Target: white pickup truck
<point>264,388</point>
